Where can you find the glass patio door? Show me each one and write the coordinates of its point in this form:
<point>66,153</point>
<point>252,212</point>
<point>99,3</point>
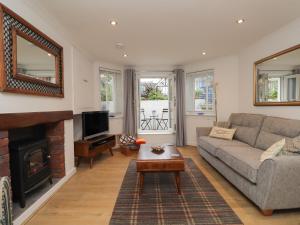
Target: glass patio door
<point>156,100</point>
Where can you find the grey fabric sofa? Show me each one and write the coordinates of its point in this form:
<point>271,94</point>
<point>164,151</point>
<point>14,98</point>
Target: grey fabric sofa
<point>273,184</point>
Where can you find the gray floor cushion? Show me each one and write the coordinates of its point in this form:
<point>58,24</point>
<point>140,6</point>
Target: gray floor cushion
<point>245,160</point>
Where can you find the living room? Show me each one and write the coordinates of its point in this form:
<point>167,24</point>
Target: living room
<point>128,95</point>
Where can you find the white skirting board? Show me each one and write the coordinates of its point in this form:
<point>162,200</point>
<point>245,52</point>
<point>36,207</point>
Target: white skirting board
<point>36,206</point>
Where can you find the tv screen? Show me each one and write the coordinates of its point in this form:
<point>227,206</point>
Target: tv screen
<point>94,123</point>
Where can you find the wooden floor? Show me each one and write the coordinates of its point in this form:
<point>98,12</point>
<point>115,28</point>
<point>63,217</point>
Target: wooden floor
<point>89,197</point>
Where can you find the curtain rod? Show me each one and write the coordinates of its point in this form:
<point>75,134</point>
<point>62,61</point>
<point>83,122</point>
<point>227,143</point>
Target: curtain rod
<point>200,71</point>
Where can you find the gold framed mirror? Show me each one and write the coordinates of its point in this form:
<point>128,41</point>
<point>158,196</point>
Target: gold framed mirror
<point>277,79</point>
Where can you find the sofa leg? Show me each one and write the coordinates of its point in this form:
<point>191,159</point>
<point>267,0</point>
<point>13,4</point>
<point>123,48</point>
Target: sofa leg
<point>267,212</point>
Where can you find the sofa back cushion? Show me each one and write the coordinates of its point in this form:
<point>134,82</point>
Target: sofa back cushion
<point>247,126</point>
<point>274,129</point>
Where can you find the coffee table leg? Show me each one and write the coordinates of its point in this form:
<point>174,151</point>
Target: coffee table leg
<point>141,181</point>
<point>177,178</point>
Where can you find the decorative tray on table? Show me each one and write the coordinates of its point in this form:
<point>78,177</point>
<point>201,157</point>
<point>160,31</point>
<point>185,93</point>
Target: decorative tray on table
<point>157,149</point>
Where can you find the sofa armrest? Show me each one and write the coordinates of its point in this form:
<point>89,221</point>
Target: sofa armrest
<point>202,131</point>
<point>279,182</point>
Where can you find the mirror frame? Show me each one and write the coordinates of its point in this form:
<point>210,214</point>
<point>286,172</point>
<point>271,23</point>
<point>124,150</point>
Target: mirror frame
<point>20,76</point>
<point>255,102</point>
<point>11,26</point>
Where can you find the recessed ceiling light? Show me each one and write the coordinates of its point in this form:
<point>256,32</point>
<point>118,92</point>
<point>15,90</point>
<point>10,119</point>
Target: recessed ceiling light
<point>240,21</point>
<point>113,23</point>
<point>49,54</point>
<point>125,55</point>
<point>203,53</point>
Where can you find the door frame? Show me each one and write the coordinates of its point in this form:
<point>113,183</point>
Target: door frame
<point>172,99</point>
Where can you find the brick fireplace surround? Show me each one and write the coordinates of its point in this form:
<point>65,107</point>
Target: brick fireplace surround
<point>54,122</point>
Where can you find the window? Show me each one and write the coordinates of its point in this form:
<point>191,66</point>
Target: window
<point>111,91</point>
<point>292,83</point>
<point>273,89</point>
<point>200,93</point>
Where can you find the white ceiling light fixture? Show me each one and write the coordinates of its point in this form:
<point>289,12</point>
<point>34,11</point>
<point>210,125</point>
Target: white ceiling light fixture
<point>240,21</point>
<point>203,53</point>
<point>125,55</point>
<point>113,23</point>
<point>49,54</point>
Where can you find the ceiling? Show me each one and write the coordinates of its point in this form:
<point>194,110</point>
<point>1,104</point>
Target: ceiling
<point>168,32</point>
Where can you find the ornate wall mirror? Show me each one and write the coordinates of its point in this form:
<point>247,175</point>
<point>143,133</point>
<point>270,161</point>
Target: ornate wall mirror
<point>32,62</point>
<point>277,79</point>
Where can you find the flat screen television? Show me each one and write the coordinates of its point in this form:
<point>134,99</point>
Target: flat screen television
<point>94,123</point>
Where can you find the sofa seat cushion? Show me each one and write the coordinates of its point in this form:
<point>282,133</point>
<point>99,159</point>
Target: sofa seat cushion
<point>211,144</point>
<point>244,160</point>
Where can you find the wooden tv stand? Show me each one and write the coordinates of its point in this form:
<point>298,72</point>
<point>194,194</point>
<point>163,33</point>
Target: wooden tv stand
<point>90,148</point>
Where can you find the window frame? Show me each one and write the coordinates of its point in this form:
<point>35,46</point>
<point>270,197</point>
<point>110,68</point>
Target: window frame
<point>172,100</point>
<point>278,81</point>
<point>117,77</point>
<point>193,76</point>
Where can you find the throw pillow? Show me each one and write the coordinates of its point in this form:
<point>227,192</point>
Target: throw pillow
<point>292,145</point>
<point>273,151</point>
<point>223,133</point>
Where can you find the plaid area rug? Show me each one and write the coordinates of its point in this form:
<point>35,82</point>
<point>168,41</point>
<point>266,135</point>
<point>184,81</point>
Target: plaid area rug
<point>159,204</point>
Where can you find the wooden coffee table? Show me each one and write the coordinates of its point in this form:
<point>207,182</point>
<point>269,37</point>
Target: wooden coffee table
<point>170,160</point>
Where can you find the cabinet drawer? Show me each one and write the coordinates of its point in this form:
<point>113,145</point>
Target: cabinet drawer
<point>172,165</point>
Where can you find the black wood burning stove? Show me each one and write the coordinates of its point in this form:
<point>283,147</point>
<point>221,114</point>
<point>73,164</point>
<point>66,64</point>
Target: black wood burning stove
<point>30,167</point>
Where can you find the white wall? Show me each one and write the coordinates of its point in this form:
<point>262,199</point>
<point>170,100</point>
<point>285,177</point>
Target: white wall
<point>234,75</point>
<point>283,38</point>
<point>87,92</point>
<point>226,76</point>
<point>84,93</point>
<point>194,121</point>
<point>116,125</point>
<point>11,103</point>
<point>75,64</point>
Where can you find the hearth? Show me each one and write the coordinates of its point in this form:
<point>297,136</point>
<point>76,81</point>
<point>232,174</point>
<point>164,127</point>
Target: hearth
<point>27,128</point>
<point>29,161</point>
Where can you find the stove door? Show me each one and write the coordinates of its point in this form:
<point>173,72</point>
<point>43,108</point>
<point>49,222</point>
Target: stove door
<point>37,166</point>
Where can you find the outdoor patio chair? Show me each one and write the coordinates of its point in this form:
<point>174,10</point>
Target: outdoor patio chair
<point>162,123</point>
<point>145,122</point>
